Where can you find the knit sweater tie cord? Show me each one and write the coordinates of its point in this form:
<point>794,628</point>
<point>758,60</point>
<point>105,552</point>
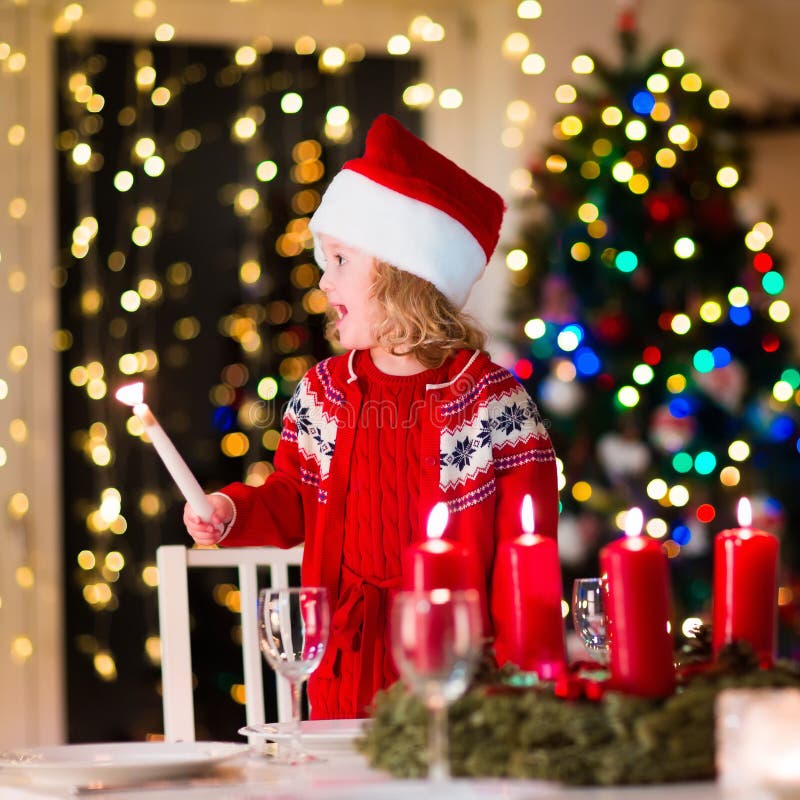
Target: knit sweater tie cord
<point>358,623</point>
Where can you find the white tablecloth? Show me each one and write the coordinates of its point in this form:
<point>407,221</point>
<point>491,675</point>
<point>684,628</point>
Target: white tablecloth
<point>346,776</point>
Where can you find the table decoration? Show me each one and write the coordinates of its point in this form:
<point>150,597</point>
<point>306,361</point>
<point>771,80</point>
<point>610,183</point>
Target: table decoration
<point>499,730</point>
<point>133,395</point>
<point>745,595</point>
<point>526,601</point>
<point>436,563</point>
<point>635,575</point>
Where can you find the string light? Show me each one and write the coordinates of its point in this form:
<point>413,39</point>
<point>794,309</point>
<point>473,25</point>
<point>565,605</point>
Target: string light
<point>691,82</point>
<point>519,111</point>
<point>565,93</point>
<point>516,259</point>
<point>684,247</point>
<point>332,59</point>
<point>582,65</point>
<point>515,45</point>
<point>582,491</point>
<point>533,64</point>
<point>291,103</point>
<point>164,32</point>
<point>672,58</point>
<point>658,83</point>
<point>529,9</point>
<point>398,45</point>
<point>450,98</point>
<point>418,95</point>
<point>728,177</point>
<point>245,56</point>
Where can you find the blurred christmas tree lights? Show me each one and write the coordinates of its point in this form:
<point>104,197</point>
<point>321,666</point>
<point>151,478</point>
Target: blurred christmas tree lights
<point>659,347</point>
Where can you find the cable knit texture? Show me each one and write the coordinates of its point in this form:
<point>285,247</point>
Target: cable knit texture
<point>380,522</point>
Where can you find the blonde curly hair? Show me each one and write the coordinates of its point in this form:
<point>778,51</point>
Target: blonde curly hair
<point>419,320</point>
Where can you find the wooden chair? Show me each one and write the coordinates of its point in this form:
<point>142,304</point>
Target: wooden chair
<point>173,563</point>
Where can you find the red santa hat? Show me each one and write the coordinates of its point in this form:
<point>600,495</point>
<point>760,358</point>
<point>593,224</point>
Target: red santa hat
<point>409,206</point>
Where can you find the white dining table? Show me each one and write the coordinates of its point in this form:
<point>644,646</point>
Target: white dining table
<point>345,775</point>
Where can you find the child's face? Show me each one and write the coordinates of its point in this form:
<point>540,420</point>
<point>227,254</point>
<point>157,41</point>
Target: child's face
<point>347,281</point>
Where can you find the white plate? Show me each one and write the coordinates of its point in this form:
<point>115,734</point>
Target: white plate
<point>317,734</point>
<point>118,762</point>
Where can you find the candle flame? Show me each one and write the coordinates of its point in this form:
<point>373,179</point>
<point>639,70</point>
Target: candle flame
<point>437,521</point>
<point>527,514</point>
<point>440,596</point>
<point>634,520</point>
<point>744,513</point>
<point>131,395</point>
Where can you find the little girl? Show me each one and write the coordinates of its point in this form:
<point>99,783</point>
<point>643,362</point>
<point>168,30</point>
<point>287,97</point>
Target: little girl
<point>413,414</point>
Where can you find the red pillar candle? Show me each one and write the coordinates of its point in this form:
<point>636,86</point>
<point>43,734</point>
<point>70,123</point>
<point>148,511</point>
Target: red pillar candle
<point>526,602</point>
<point>437,567</point>
<point>636,578</point>
<point>436,563</point>
<point>745,601</point>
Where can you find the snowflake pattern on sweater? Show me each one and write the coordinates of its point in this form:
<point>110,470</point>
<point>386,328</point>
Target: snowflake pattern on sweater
<point>470,449</point>
<point>475,440</point>
<point>307,423</point>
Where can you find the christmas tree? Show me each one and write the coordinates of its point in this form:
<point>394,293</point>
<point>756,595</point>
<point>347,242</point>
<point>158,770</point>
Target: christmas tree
<point>650,318</point>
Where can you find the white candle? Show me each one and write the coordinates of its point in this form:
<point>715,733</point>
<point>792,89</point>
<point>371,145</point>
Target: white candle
<point>133,395</point>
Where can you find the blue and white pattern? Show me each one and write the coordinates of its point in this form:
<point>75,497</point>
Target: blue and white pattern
<point>312,479</point>
<point>462,456</point>
<point>315,430</point>
<point>472,498</point>
<point>467,451</point>
<point>467,397</point>
<point>540,455</point>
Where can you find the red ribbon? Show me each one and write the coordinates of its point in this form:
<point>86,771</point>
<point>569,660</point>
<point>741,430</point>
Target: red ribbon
<point>573,685</point>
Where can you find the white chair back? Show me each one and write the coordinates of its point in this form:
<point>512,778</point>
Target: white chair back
<point>173,563</point>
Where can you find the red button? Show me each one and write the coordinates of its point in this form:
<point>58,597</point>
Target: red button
<point>430,461</point>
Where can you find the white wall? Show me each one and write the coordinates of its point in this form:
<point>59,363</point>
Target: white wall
<point>31,675</point>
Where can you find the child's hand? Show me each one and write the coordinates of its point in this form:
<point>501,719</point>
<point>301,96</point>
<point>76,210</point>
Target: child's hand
<point>209,532</point>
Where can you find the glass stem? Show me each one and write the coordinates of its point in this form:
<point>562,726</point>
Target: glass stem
<point>295,748</point>
<point>438,755</point>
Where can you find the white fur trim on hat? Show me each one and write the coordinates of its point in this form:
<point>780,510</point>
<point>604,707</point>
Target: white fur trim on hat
<point>402,231</point>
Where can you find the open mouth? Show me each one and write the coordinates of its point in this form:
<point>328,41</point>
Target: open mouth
<point>340,311</point>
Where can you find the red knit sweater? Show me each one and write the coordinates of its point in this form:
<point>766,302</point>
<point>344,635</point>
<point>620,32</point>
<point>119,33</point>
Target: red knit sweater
<point>475,441</point>
<point>379,524</point>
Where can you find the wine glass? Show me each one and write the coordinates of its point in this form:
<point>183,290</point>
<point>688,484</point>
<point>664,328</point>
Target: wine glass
<point>293,628</point>
<point>436,644</point>
<point>589,617</point>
